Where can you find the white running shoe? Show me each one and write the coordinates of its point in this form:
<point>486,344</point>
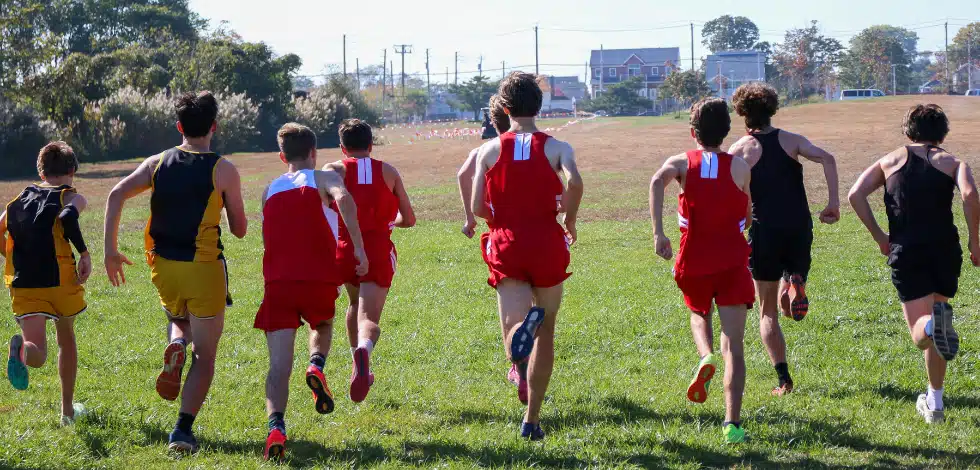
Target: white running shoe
<point>79,412</point>
<point>931,416</point>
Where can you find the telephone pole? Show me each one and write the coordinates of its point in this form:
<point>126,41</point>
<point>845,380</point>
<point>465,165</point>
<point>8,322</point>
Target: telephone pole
<point>602,70</point>
<point>894,80</point>
<point>947,58</point>
<point>403,49</point>
<point>479,67</point>
<point>357,71</point>
<point>345,56</point>
<point>428,82</point>
<point>692,46</point>
<point>384,85</point>
<point>503,69</point>
<point>537,70</point>
<point>456,78</point>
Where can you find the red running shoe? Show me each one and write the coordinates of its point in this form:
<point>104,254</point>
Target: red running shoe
<point>322,397</point>
<point>168,382</point>
<point>361,379</point>
<point>275,445</point>
<point>514,376</point>
<point>800,304</point>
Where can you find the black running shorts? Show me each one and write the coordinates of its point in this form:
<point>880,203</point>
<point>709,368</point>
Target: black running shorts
<point>779,252</point>
<point>921,270</point>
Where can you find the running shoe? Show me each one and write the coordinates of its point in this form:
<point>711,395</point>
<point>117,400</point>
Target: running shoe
<point>697,392</point>
<point>513,376</point>
<point>78,412</point>
<point>520,381</point>
<point>944,336</point>
<point>182,442</point>
<point>532,431</point>
<point>16,369</point>
<point>522,342</point>
<point>734,434</point>
<point>361,378</point>
<point>931,416</point>
<point>168,382</point>
<point>275,445</point>
<point>799,303</point>
<point>322,396</point>
<point>784,389</point>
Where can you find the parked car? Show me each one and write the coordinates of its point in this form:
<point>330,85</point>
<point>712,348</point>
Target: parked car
<point>973,92</point>
<point>860,94</point>
<point>602,113</point>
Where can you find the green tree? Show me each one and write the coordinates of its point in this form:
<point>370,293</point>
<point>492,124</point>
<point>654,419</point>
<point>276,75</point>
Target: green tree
<point>727,33</point>
<point>806,59</point>
<point>965,46</point>
<point>686,86</point>
<point>621,98</point>
<point>868,62</point>
<point>474,94</point>
<point>26,43</point>
<point>415,102</point>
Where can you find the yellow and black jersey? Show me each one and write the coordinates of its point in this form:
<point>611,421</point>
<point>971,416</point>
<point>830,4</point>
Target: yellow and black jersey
<point>38,255</point>
<point>185,208</point>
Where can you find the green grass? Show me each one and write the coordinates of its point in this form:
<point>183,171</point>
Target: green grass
<point>624,357</point>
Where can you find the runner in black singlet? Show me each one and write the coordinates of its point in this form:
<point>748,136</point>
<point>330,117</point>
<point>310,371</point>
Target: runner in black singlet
<point>923,243</point>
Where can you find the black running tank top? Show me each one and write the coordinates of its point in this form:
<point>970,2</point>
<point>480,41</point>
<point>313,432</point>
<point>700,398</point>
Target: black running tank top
<point>778,195</point>
<point>919,203</point>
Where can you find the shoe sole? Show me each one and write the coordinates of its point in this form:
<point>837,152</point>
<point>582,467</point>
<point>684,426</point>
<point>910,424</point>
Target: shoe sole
<point>16,369</point>
<point>697,392</point>
<point>360,384</point>
<point>944,337</point>
<point>801,306</point>
<point>276,451</point>
<point>930,416</point>
<point>323,401</point>
<point>782,391</point>
<point>182,447</point>
<point>522,342</point>
<point>168,382</point>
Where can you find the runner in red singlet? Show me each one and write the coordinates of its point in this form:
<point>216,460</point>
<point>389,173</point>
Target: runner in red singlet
<point>382,205</point>
<point>714,209</point>
<point>302,280</point>
<point>517,189</point>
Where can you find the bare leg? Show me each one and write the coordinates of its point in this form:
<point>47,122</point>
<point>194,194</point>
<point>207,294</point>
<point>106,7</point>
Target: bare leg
<point>353,294</point>
<point>320,338</point>
<point>769,329</point>
<point>702,333</point>
<point>281,349</point>
<point>207,333</point>
<point>372,302</point>
<point>917,314</point>
<point>34,353</point>
<point>514,300</point>
<point>67,363</point>
<point>732,348</point>
<point>179,328</point>
<point>542,359</point>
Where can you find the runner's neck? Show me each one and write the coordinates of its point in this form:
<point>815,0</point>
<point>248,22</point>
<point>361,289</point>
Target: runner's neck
<point>710,149</point>
<point>522,125</point>
<point>196,144</point>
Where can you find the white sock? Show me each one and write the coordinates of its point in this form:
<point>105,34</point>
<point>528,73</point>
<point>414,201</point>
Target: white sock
<point>934,399</point>
<point>366,344</point>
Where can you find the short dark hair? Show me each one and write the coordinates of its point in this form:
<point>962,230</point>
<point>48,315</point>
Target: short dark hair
<point>711,121</point>
<point>926,123</point>
<point>520,94</point>
<point>499,117</point>
<point>196,113</point>
<point>56,159</point>
<point>355,135</point>
<point>296,141</point>
<point>757,102</point>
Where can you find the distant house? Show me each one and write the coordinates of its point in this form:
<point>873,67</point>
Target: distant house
<point>728,70</point>
<point>554,99</point>
<point>568,87</point>
<point>441,105</point>
<point>966,77</point>
<point>612,66</point>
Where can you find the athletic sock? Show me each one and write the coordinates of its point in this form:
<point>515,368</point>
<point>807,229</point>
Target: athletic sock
<point>934,399</point>
<point>181,340</point>
<point>185,422</point>
<point>277,420</point>
<point>318,360</point>
<point>366,344</point>
<point>737,424</point>
<point>782,371</point>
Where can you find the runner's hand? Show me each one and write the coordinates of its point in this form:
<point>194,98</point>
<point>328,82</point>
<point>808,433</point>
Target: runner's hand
<point>362,262</point>
<point>830,215</point>
<point>571,233</point>
<point>114,267</point>
<point>84,267</point>
<point>882,240</point>
<point>662,244</point>
<point>975,253</point>
<point>469,227</point>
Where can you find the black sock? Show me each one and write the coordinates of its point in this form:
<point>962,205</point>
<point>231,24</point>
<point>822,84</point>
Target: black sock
<point>522,369</point>
<point>185,422</point>
<point>782,371</point>
<point>318,360</point>
<point>277,421</point>
<point>182,341</point>
<point>737,424</point>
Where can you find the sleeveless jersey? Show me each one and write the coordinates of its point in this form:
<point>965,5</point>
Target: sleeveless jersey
<point>523,190</point>
<point>918,200</point>
<point>298,231</point>
<point>711,213</point>
<point>38,254</point>
<point>377,205</point>
<point>185,208</point>
<point>778,194</point>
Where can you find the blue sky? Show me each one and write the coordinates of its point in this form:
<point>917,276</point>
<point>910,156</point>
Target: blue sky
<point>568,29</point>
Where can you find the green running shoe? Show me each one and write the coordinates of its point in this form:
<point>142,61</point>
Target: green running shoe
<point>697,392</point>
<point>733,434</point>
<point>16,369</point>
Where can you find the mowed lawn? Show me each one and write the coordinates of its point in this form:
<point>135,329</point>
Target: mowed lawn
<point>617,399</point>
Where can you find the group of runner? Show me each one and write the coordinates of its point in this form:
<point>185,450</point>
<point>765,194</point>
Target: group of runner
<point>331,228</point>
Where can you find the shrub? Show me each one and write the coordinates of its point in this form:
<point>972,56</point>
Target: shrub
<point>22,134</point>
<point>322,112</point>
<point>237,121</point>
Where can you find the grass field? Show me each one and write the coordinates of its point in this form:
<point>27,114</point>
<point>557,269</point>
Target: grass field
<point>624,351</point>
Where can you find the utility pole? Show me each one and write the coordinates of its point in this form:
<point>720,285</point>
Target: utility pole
<point>384,85</point>
<point>428,81</point>
<point>456,78</point>
<point>503,69</point>
<point>969,63</point>
<point>357,71</point>
<point>692,46</point>
<point>947,58</point>
<point>894,81</point>
<point>403,49</point>
<point>447,76</point>
<point>602,70</point>
<point>345,56</point>
<point>537,70</point>
<point>479,67</point>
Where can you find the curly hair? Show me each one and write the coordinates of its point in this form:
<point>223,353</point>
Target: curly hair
<point>757,102</point>
<point>498,116</point>
<point>56,159</point>
<point>926,123</point>
<point>521,94</point>
<point>711,121</point>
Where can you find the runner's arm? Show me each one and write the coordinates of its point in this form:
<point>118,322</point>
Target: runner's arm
<point>670,171</point>
<point>464,179</point>
<point>131,186</point>
<point>332,187</point>
<point>747,189</point>
<point>230,183</point>
<point>477,198</point>
<point>406,213</point>
<point>971,208</point>
<point>869,182</point>
<point>816,154</point>
<point>74,205</point>
<point>3,234</point>
<point>574,188</point>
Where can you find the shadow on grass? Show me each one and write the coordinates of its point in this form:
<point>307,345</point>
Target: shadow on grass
<point>893,392</point>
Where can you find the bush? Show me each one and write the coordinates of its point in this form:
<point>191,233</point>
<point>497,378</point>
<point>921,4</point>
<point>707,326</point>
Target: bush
<point>322,112</point>
<point>22,134</point>
<point>357,106</point>
<point>237,121</point>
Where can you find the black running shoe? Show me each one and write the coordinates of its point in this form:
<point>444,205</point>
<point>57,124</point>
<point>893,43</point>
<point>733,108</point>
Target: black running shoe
<point>944,337</point>
<point>532,431</point>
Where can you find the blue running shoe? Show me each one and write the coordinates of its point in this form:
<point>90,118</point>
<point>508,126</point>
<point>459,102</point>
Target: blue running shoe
<point>182,442</point>
<point>532,431</point>
<point>16,369</point>
<point>523,340</point>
